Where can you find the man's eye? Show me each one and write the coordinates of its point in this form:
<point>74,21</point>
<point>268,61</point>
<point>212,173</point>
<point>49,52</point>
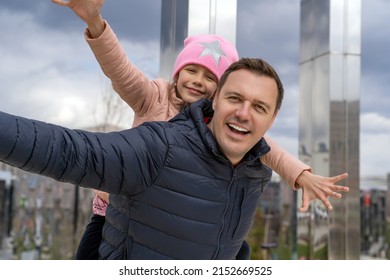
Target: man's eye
<point>260,108</point>
<point>234,98</point>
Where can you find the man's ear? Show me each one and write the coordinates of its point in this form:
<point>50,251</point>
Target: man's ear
<point>215,99</point>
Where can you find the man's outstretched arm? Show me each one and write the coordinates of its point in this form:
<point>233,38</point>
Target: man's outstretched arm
<point>117,162</point>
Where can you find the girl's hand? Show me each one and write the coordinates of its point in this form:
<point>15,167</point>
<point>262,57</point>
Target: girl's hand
<point>89,11</point>
<point>319,187</point>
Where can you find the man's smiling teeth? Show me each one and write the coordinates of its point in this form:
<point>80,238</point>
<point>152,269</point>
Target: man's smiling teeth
<point>238,128</point>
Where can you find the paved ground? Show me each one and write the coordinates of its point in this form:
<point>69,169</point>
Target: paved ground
<point>6,249</point>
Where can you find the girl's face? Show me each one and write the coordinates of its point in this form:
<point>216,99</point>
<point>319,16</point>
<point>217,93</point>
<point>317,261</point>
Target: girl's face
<point>195,82</point>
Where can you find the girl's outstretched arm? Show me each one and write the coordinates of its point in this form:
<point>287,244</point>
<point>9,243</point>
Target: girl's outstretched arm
<point>298,175</point>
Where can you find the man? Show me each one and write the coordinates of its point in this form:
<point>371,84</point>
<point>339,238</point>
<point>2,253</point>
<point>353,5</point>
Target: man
<point>183,189</point>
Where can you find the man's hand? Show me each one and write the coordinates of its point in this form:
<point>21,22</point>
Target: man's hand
<point>318,187</point>
<point>89,11</point>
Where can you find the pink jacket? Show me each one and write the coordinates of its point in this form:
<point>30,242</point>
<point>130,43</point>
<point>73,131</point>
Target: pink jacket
<point>153,100</point>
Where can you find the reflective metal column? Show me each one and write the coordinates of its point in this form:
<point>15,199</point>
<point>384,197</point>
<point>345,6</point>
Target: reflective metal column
<point>329,123</point>
<point>174,29</point>
<point>180,18</point>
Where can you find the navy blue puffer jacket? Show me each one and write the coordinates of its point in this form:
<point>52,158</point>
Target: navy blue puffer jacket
<point>173,194</point>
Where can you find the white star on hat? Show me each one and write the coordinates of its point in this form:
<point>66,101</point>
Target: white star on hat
<point>214,49</point>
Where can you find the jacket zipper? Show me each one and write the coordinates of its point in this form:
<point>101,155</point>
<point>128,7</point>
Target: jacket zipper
<point>224,213</point>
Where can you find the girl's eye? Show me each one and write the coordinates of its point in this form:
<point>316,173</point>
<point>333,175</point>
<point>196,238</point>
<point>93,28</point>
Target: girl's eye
<point>211,78</point>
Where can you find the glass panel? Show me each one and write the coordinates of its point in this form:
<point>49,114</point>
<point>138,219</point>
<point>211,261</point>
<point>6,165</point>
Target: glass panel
<point>306,30</point>
<point>174,25</point>
<point>353,198</point>
<point>199,17</point>
<point>321,116</point>
<point>320,151</point>
<point>337,26</point>
<point>322,26</point>
<point>354,26</point>
<point>304,220</point>
<point>226,23</point>
<point>213,17</point>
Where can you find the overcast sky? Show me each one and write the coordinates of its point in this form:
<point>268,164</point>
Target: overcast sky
<point>48,72</point>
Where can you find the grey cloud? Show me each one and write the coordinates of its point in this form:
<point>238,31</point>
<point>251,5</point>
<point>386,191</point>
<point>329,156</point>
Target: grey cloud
<point>141,23</point>
<point>131,19</point>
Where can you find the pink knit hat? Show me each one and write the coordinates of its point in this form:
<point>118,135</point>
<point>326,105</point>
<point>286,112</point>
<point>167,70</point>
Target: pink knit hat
<point>210,51</point>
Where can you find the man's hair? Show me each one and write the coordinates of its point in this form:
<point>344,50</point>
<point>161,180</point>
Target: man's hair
<point>257,66</point>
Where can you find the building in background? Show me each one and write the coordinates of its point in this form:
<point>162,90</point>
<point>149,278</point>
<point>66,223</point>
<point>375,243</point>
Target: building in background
<point>373,223</point>
<point>374,220</point>
<point>6,206</point>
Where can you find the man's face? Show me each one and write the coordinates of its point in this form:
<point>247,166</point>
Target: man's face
<point>244,110</point>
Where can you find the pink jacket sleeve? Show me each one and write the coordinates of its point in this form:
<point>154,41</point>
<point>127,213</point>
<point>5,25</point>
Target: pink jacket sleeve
<point>283,163</point>
<point>127,80</point>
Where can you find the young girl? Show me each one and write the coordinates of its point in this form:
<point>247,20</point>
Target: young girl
<point>197,70</point>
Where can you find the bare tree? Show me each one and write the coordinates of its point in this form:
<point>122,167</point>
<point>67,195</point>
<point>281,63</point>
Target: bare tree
<point>111,112</point>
